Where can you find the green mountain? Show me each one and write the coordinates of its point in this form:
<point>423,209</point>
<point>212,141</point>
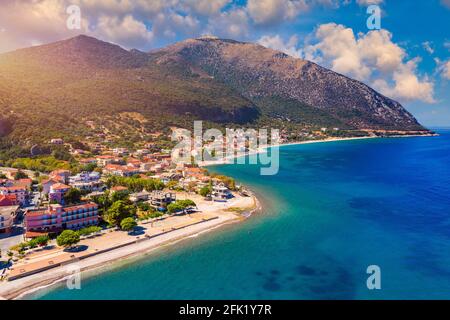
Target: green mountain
<point>55,89</point>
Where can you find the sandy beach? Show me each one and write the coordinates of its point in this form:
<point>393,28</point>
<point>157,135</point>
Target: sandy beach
<point>262,149</point>
<point>113,247</point>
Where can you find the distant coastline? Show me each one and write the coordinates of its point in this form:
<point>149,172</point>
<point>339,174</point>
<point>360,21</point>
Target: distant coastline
<point>262,149</point>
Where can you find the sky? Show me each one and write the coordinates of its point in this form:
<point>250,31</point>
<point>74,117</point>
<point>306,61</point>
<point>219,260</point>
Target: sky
<point>407,59</point>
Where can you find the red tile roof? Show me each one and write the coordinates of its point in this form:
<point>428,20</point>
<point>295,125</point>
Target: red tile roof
<point>118,188</point>
<point>8,200</point>
<point>60,186</point>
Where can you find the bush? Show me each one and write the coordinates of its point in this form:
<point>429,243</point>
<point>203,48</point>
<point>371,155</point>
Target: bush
<point>68,238</point>
<point>89,230</point>
<point>40,241</point>
<point>180,205</point>
<point>128,224</point>
<point>205,191</point>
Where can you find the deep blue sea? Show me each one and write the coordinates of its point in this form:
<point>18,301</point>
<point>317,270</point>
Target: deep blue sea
<point>332,210</point>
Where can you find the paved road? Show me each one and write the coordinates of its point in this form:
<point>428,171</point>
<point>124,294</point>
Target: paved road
<point>8,242</point>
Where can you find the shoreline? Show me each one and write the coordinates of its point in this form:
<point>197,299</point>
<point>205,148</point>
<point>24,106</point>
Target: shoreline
<point>231,160</point>
<point>28,286</point>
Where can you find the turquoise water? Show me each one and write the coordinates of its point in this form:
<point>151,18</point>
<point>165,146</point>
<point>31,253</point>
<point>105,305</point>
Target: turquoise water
<point>333,209</point>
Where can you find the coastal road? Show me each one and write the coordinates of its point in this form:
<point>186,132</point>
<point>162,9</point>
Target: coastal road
<point>7,242</point>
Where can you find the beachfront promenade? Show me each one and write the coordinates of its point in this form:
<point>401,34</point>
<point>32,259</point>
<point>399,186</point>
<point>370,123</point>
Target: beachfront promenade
<point>47,259</point>
<point>46,266</point>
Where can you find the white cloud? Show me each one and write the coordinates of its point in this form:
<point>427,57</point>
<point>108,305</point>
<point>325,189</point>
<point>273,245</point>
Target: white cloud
<point>275,11</point>
<point>127,31</point>
<point>206,7</point>
<point>338,48</point>
<point>233,23</point>
<point>427,46</point>
<point>407,86</point>
<point>443,68</point>
<point>277,43</point>
<point>373,58</point>
<point>172,24</point>
<point>447,70</point>
<point>447,45</point>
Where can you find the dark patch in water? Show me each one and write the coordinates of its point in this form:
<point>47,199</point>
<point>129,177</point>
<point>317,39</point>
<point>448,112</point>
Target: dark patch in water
<point>274,272</point>
<point>305,270</point>
<point>271,286</point>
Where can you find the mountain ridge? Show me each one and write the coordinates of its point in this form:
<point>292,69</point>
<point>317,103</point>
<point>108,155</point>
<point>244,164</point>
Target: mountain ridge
<point>56,87</point>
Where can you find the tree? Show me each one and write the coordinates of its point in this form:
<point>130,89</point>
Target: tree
<point>205,191</point>
<point>104,201</point>
<point>72,196</point>
<point>89,230</point>
<point>180,205</point>
<point>128,224</point>
<point>119,211</point>
<point>41,241</point>
<point>89,167</point>
<point>171,184</point>
<point>68,238</point>
<point>187,203</point>
<point>120,196</point>
<point>174,207</point>
<point>20,175</point>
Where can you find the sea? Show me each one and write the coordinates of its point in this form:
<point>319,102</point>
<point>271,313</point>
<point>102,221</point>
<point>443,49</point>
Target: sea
<point>358,219</point>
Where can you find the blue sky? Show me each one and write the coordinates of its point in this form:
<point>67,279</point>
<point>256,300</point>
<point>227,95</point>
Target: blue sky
<point>408,59</point>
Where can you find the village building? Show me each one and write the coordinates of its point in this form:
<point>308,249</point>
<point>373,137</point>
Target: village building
<point>9,207</point>
<point>57,141</point>
<point>119,170</point>
<point>46,184</point>
<point>221,193</point>
<point>86,161</point>
<point>57,192</point>
<point>21,193</point>
<point>161,199</point>
<point>104,160</point>
<point>140,196</point>
<point>118,189</point>
<point>60,175</point>
<point>56,218</point>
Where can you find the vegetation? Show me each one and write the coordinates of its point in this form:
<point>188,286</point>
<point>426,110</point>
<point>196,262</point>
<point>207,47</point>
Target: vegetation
<point>180,205</point>
<point>20,175</point>
<point>40,241</point>
<point>72,196</point>
<point>118,211</point>
<point>68,238</point>
<point>229,182</point>
<point>205,191</point>
<point>89,230</point>
<point>128,224</point>
<point>149,215</point>
<point>135,184</point>
<point>42,164</point>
